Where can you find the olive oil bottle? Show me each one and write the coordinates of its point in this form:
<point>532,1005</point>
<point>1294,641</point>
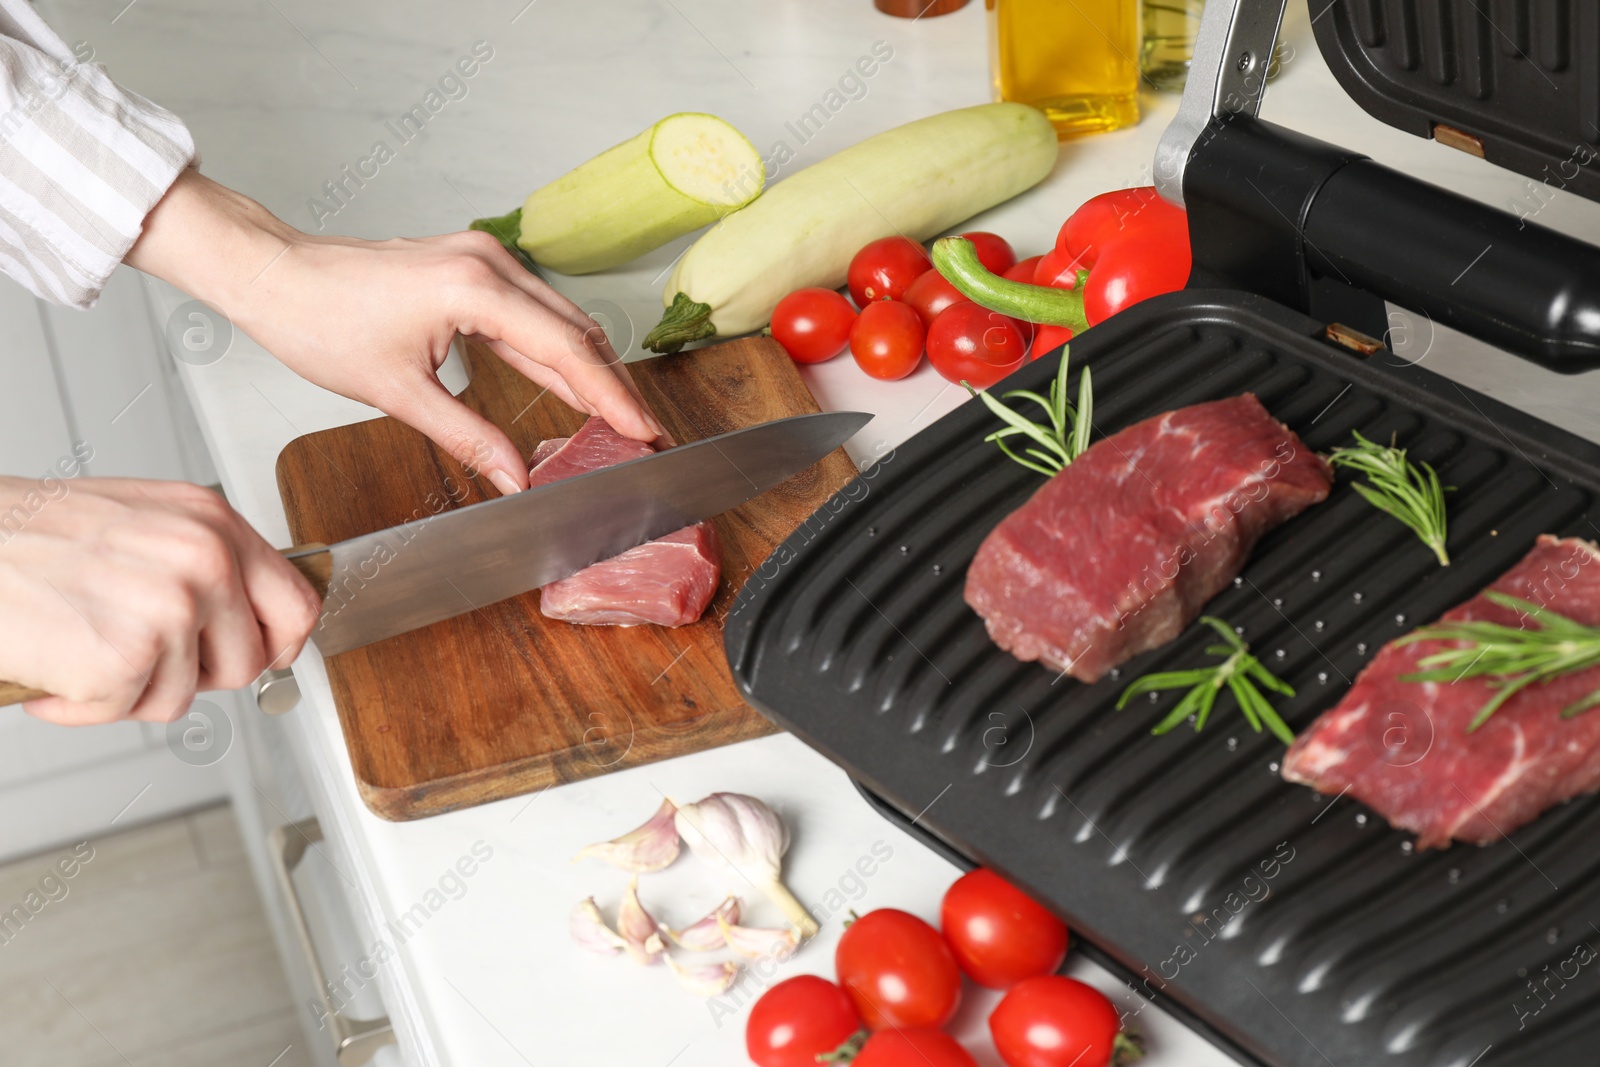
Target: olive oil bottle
<point>1170,27</point>
<point>1075,60</point>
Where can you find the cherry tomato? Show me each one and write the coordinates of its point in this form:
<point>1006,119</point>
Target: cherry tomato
<point>813,325</point>
<point>994,251</point>
<point>898,970</point>
<point>973,344</point>
<point>1111,217</point>
<point>1023,271</point>
<point>1047,339</point>
<point>1053,1021</point>
<point>887,339</point>
<point>931,294</point>
<point>1131,270</point>
<point>797,1020</point>
<point>1057,269</point>
<point>912,1048</point>
<point>998,933</point>
<point>884,268</point>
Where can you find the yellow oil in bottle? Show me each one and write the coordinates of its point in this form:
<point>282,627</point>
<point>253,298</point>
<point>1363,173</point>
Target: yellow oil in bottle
<point>1075,60</point>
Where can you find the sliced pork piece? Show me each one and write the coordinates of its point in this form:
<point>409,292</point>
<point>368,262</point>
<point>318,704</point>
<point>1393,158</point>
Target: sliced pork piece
<point>1402,748</point>
<point>667,582</point>
<point>1118,552</point>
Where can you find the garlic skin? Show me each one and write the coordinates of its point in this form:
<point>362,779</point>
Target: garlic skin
<point>588,928</point>
<point>651,847</point>
<point>743,837</point>
<point>640,935</point>
<point>704,979</point>
<point>705,934</point>
<point>758,941</point>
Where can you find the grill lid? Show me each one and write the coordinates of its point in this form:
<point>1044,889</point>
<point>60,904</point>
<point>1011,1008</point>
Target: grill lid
<point>1516,82</point>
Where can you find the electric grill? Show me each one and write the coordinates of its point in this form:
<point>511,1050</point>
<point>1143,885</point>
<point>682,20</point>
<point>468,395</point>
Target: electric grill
<point>1294,929</point>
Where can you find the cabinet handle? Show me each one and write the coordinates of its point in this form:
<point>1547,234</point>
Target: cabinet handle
<point>355,1041</point>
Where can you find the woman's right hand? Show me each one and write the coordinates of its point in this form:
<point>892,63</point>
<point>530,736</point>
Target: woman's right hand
<point>124,598</point>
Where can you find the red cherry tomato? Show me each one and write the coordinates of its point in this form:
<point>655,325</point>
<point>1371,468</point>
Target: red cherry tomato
<point>813,325</point>
<point>797,1020</point>
<point>1053,1021</point>
<point>1057,269</point>
<point>1023,271</point>
<point>898,970</point>
<point>998,933</point>
<point>884,268</point>
<point>931,294</point>
<point>1131,270</point>
<point>994,251</point>
<point>912,1048</point>
<point>1047,339</point>
<point>973,344</point>
<point>1111,217</point>
<point>887,339</point>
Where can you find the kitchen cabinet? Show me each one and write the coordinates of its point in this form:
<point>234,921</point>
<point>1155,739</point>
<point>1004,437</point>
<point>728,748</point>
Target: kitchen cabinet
<point>103,383</point>
<point>92,383</point>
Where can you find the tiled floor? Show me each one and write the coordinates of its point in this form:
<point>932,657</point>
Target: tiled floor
<point>156,953</point>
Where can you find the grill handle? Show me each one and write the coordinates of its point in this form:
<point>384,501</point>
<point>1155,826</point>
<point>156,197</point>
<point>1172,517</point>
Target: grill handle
<point>1328,231</point>
<point>1480,270</point>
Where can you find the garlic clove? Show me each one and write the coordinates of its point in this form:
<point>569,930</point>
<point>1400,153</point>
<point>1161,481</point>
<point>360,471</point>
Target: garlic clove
<point>650,847</point>
<point>639,933</point>
<point>588,928</point>
<point>705,934</point>
<point>745,838</point>
<point>704,979</point>
<point>758,941</point>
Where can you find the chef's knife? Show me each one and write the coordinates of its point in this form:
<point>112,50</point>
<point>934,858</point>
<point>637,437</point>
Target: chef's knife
<point>394,580</point>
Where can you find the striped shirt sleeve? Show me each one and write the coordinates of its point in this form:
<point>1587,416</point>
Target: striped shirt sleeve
<point>82,161</point>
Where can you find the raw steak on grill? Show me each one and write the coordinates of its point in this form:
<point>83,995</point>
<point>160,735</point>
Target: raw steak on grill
<point>1402,748</point>
<point>1118,552</point>
<point>668,581</point>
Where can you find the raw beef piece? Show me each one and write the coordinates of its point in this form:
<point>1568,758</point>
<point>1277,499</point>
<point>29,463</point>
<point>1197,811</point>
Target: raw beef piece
<point>1402,748</point>
<point>668,581</point>
<point>1118,552</point>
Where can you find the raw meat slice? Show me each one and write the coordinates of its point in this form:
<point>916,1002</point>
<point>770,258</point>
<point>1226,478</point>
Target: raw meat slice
<point>1402,748</point>
<point>1117,553</point>
<point>667,582</point>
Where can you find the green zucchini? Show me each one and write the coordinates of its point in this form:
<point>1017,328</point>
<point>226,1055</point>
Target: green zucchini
<point>685,171</point>
<point>917,180</point>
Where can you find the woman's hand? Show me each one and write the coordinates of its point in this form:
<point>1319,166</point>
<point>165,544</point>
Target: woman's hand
<point>374,320</point>
<point>125,597</point>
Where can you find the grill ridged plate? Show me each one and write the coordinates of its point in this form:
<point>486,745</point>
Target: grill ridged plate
<point>854,635</point>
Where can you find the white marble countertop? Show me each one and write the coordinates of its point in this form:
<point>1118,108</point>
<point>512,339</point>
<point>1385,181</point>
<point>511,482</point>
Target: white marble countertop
<point>282,95</point>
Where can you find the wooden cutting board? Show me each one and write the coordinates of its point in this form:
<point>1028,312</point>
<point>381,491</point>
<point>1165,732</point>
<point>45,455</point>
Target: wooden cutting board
<point>503,701</point>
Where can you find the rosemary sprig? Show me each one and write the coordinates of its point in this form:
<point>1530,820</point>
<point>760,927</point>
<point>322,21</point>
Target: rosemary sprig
<point>1060,441</point>
<point>1408,491</point>
<point>1512,657</point>
<point>1240,672</point>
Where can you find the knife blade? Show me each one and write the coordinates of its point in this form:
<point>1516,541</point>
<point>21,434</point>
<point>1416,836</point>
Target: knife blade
<point>391,581</point>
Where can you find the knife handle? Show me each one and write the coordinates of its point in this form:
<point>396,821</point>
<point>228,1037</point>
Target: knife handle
<point>314,561</point>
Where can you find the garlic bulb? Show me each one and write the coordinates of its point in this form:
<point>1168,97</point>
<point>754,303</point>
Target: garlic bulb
<point>650,847</point>
<point>743,837</point>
